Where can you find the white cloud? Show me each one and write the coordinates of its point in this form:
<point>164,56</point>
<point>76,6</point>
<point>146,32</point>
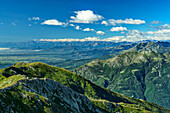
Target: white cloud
<point>156,22</point>
<point>165,26</point>
<point>114,38</point>
<point>100,33</point>
<point>53,22</point>
<point>159,31</point>
<point>163,34</point>
<point>88,29</point>
<point>112,22</point>
<point>85,16</point>
<point>72,25</point>
<point>118,29</point>
<point>126,21</point>
<point>77,27</point>
<point>132,36</point>
<point>92,39</point>
<point>34,18</point>
<point>105,23</point>
<point>135,35</point>
<point>71,39</point>
<point>29,25</point>
<point>163,37</point>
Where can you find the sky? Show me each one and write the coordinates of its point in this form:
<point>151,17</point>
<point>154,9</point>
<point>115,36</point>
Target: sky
<point>84,20</point>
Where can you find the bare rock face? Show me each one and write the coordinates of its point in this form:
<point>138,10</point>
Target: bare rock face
<point>47,93</point>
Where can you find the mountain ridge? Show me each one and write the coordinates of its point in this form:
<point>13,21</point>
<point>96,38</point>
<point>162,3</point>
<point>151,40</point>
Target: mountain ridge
<point>132,73</point>
<point>34,71</point>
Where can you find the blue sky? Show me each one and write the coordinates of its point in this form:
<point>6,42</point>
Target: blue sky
<point>84,20</point>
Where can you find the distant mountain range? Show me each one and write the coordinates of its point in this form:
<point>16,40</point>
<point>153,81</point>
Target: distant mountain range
<point>67,55</point>
<point>49,44</point>
<point>141,72</point>
<point>38,87</point>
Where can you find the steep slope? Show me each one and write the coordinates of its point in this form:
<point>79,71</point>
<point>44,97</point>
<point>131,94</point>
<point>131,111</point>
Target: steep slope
<point>142,75</point>
<point>29,78</point>
<point>158,47</point>
<point>43,95</point>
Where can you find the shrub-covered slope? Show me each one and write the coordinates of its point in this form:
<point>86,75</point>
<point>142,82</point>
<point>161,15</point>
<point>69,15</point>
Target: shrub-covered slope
<point>37,86</point>
<point>142,75</point>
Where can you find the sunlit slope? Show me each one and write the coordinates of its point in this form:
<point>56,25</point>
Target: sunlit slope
<point>28,80</point>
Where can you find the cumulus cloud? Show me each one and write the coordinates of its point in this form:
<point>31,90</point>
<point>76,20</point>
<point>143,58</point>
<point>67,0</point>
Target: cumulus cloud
<point>85,16</point>
<point>163,34</point>
<point>136,35</point>
<point>100,33</point>
<point>118,29</point>
<point>77,27</point>
<point>53,22</point>
<point>126,21</point>
<point>131,36</point>
<point>105,23</point>
<point>88,29</point>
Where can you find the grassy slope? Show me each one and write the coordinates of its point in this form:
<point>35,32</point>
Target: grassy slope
<point>75,82</point>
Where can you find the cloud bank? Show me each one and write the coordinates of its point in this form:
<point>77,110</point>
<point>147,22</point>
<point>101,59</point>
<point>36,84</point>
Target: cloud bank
<point>113,38</point>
